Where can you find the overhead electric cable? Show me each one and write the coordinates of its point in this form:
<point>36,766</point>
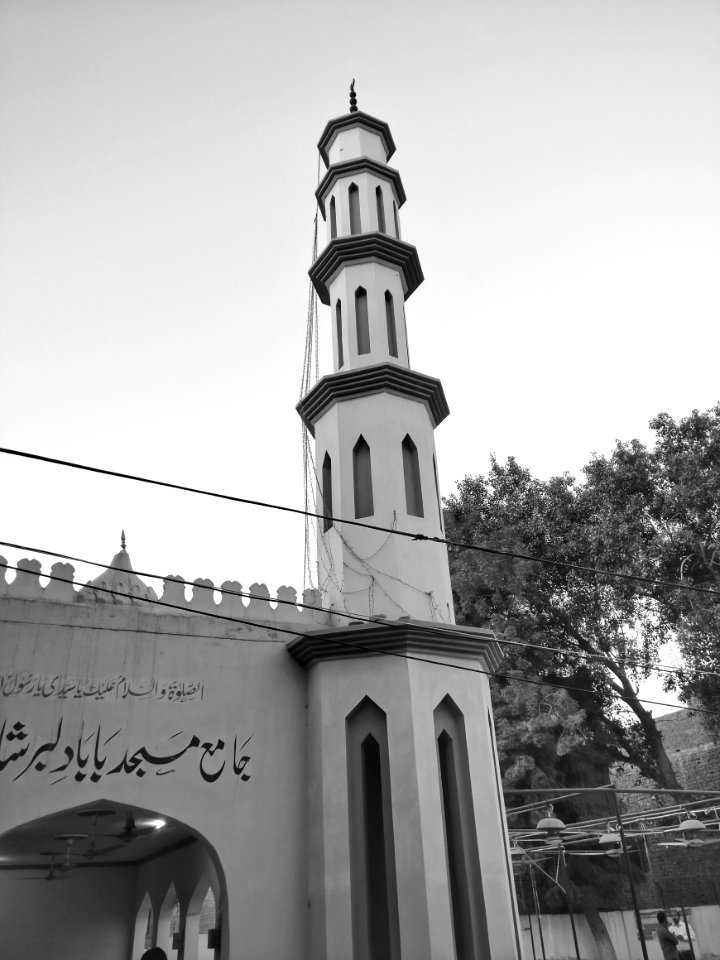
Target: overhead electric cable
<point>347,615</point>
<point>671,584</point>
<point>359,646</point>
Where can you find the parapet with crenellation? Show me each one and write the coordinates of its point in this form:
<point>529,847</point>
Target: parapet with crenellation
<point>228,602</point>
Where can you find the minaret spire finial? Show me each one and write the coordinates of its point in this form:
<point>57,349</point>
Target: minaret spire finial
<point>353,98</point>
<point>122,539</point>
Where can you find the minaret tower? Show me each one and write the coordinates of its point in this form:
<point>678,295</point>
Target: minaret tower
<point>373,418</point>
<point>408,854</point>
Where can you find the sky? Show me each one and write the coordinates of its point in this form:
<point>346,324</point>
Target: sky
<point>158,164</point>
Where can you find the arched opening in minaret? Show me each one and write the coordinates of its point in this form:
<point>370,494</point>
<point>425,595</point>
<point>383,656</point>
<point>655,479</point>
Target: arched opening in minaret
<point>333,219</point>
<point>354,201</point>
<point>362,479</point>
<point>380,204</point>
<point>362,323</point>
<point>338,334</point>
<point>437,493</point>
<point>327,492</point>
<point>372,859</point>
<point>411,471</point>
<point>397,221</point>
<point>461,846</point>
<point>391,326</point>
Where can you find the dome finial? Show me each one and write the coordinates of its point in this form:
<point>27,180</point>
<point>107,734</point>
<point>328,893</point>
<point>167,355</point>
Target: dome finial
<point>353,98</point>
<point>122,539</point>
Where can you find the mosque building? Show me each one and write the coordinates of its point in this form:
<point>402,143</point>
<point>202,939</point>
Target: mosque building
<point>245,777</point>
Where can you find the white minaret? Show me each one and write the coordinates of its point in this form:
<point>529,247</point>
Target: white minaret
<point>408,855</point>
<point>373,418</point>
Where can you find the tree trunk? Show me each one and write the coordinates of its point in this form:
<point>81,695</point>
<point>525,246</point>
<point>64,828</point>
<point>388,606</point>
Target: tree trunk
<point>606,950</point>
<point>664,773</point>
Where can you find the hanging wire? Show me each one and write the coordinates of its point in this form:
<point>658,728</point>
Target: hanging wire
<point>310,376</point>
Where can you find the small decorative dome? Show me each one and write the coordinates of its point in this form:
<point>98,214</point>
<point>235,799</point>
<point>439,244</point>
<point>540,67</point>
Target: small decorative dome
<point>120,578</point>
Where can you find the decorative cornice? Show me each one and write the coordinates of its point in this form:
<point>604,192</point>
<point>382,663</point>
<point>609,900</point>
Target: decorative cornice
<point>378,378</point>
<point>398,637</point>
<point>358,119</point>
<point>361,165</point>
<point>360,248</point>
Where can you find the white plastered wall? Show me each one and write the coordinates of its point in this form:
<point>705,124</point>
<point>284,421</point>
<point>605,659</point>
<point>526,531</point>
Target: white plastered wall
<point>375,278</point>
<point>349,143</point>
<point>402,572</point>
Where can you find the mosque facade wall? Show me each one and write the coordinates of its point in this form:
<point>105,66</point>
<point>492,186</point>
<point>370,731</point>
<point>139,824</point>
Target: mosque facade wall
<point>185,717</point>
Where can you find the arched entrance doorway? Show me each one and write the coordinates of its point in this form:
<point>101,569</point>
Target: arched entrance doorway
<point>109,880</point>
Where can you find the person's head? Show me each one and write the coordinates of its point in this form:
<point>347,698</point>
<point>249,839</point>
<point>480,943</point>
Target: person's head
<point>154,953</point>
<point>660,917</point>
<point>675,915</point>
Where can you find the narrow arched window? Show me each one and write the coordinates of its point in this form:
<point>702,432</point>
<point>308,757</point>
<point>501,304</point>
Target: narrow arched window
<point>333,219</point>
<point>327,492</point>
<point>411,469</point>
<point>373,880</point>
<point>362,479</point>
<point>338,331</point>
<point>461,844</point>
<point>397,222</point>
<point>362,325</point>
<point>354,199</point>
<point>437,492</point>
<point>391,328</point>
<point>380,209</point>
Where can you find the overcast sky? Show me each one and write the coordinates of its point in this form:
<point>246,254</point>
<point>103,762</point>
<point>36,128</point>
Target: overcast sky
<point>158,164</point>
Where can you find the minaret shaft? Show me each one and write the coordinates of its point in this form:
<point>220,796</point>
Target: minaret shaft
<point>373,419</point>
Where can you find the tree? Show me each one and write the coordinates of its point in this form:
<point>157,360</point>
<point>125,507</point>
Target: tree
<point>680,504</point>
<point>562,620</point>
<point>548,736</point>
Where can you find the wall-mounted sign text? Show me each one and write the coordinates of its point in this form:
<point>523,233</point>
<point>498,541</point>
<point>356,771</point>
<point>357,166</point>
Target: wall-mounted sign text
<point>60,687</point>
<point>92,755</point>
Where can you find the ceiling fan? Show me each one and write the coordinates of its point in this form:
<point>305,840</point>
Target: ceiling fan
<point>91,852</point>
<point>53,873</point>
<point>131,831</point>
<point>69,839</point>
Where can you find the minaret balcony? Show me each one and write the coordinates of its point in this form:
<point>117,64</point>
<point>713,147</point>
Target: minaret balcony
<point>380,378</point>
<point>351,168</point>
<point>364,248</point>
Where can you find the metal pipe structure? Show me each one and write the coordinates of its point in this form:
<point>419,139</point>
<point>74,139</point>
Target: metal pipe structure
<point>568,896</point>
<point>529,916</point>
<point>537,910</point>
<point>628,868</point>
<point>687,931</point>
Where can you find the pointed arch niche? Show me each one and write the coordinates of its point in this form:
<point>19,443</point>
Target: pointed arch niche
<point>327,493</point>
<point>362,479</point>
<point>144,927</point>
<point>354,203</point>
<point>376,930</point>
<point>461,845</point>
<point>362,323</point>
<point>411,472</point>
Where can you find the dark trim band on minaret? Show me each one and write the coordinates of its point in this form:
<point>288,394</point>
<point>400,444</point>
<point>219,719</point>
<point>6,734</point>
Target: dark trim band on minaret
<point>360,248</point>
<point>399,637</point>
<point>378,378</point>
<point>360,165</point>
<point>358,119</point>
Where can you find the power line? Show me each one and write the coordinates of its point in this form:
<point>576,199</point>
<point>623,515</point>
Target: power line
<point>581,568</point>
<point>359,646</point>
<point>603,659</point>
